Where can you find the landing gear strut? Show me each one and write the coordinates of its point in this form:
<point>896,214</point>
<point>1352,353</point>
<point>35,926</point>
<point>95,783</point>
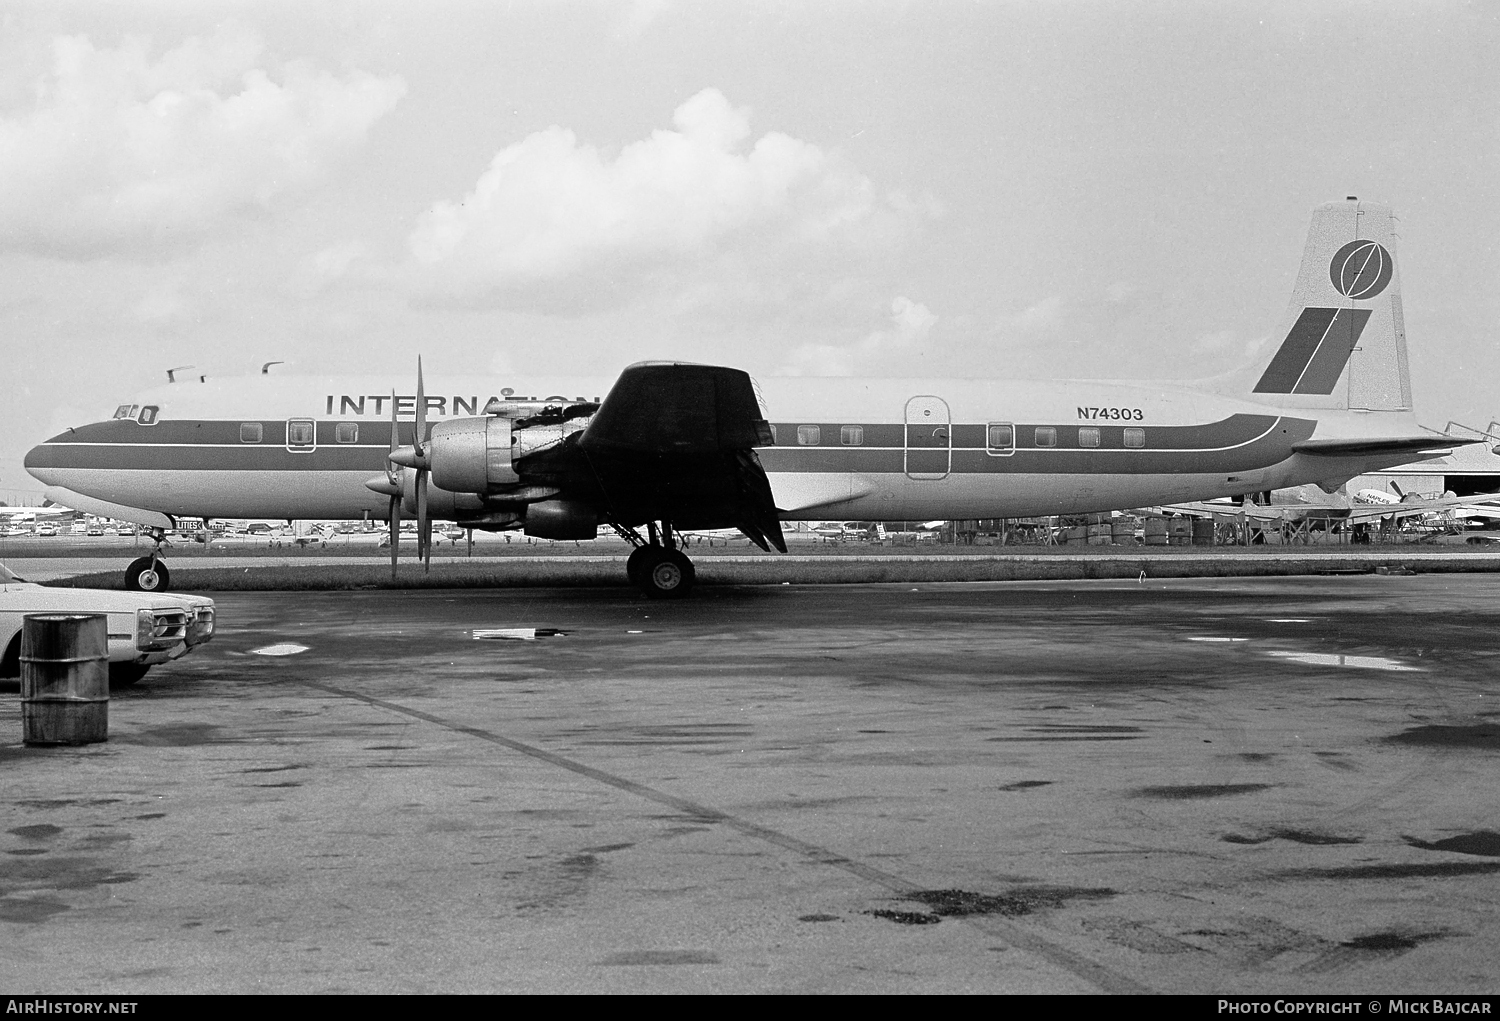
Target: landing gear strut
<point>149,574</point>
<point>656,566</point>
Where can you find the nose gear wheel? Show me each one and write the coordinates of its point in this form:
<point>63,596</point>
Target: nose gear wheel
<point>147,574</point>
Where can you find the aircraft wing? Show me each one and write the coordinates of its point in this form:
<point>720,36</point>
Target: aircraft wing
<point>677,441</point>
<point>1193,510</point>
<point>1407,510</point>
<point>1259,513</point>
<point>1478,510</point>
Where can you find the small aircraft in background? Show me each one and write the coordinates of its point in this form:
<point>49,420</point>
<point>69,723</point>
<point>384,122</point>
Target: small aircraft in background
<point>1300,504</point>
<point>1481,506</point>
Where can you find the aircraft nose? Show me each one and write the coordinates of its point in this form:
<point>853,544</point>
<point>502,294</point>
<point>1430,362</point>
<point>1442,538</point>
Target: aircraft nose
<point>40,461</point>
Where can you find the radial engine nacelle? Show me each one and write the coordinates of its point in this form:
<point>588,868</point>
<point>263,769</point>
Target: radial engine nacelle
<point>471,455</point>
<point>478,455</point>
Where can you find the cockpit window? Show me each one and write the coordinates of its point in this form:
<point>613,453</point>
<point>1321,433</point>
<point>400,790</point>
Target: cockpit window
<point>126,410</point>
<point>148,415</point>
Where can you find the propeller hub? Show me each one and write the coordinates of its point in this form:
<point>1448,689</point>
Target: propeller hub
<point>384,485</point>
<point>409,457</point>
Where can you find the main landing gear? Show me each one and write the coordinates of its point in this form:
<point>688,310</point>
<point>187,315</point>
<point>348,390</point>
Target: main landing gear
<point>149,574</point>
<point>657,567</point>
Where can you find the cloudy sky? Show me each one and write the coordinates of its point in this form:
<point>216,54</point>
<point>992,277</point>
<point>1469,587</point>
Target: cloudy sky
<point>1087,189</point>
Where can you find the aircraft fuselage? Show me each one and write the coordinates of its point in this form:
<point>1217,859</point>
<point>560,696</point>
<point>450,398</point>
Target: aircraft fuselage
<point>876,449</point>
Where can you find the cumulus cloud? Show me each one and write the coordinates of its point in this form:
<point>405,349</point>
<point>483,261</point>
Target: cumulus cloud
<point>123,153</point>
<point>555,220</point>
<point>910,325</point>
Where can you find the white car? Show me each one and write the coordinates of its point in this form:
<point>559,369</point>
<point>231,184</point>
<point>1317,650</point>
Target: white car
<point>145,628</point>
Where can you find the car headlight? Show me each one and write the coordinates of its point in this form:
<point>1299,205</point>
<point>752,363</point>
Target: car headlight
<point>159,630</point>
<point>202,627</point>
<point>145,630</point>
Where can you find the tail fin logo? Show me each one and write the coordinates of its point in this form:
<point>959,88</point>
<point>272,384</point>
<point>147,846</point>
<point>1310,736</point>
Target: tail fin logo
<point>1361,270</point>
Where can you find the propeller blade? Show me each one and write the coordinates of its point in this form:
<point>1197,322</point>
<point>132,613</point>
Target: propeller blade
<point>395,441</point>
<point>420,439</point>
<point>424,523</point>
<point>395,531</point>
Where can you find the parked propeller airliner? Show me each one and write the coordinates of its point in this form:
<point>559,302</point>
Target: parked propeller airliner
<point>669,447</point>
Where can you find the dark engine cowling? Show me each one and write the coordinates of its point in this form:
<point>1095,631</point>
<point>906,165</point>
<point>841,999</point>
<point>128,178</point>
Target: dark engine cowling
<point>471,455</point>
<point>561,519</point>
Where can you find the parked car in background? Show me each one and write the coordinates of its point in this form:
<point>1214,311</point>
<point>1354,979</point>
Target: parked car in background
<point>46,528</point>
<point>145,628</point>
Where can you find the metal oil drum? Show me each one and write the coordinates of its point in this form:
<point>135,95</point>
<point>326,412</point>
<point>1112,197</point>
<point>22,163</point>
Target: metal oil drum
<point>64,678</point>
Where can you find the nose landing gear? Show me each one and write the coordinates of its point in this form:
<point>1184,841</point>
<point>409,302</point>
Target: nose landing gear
<point>149,574</point>
<point>657,567</point>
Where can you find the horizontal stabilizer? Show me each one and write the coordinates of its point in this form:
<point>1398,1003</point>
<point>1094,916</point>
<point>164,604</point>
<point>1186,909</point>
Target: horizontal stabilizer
<point>1434,446</point>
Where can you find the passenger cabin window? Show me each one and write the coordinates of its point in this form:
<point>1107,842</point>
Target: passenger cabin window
<point>809,435</point>
<point>346,432</point>
<point>299,433</point>
<point>1046,436</point>
<point>851,435</point>
<point>250,432</point>
<point>1001,438</point>
<point>148,415</point>
<point>126,411</point>
<point>1135,437</point>
<point>1088,436</point>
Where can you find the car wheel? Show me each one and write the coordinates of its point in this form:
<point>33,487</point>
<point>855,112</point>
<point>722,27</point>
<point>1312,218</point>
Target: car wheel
<point>123,675</point>
<point>667,574</point>
<point>147,574</point>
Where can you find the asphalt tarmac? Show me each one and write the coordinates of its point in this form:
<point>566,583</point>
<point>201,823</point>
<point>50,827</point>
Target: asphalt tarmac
<point>1232,785</point>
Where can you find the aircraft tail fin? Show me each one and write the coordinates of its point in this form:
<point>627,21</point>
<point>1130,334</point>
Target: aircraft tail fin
<point>1343,336</point>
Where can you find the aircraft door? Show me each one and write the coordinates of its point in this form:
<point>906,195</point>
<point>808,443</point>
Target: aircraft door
<point>929,440</point>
